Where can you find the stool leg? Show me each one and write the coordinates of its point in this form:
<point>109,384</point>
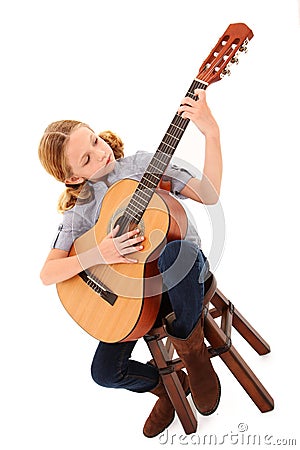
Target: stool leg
<point>242,325</point>
<point>172,385</point>
<point>250,334</point>
<point>242,372</point>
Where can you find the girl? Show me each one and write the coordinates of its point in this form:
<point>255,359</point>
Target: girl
<point>88,164</point>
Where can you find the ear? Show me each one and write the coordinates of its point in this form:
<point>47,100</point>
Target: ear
<point>74,180</point>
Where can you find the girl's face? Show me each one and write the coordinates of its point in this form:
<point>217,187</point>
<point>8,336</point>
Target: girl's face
<point>89,156</point>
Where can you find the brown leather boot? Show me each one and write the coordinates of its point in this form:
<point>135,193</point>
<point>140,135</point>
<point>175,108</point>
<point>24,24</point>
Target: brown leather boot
<point>163,412</point>
<point>204,382</point>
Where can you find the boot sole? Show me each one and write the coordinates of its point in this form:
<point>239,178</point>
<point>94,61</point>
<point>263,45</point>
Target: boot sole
<point>187,392</point>
<point>208,413</point>
<point>156,434</point>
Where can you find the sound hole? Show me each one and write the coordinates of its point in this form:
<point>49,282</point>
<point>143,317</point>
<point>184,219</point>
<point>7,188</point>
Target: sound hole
<point>126,224</point>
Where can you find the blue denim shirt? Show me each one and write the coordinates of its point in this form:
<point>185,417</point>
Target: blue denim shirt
<point>84,215</point>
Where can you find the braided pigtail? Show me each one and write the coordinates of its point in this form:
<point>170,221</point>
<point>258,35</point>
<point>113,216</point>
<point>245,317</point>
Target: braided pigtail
<point>72,193</point>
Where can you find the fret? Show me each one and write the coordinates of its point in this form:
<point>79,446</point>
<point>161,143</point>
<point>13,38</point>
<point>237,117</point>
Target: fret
<point>148,177</point>
<point>178,120</point>
<point>137,208</point>
<point>176,126</point>
<point>144,191</point>
<point>174,137</point>
<point>140,201</point>
<point>165,163</point>
<point>155,177</point>
<point>148,182</point>
<point>156,170</point>
<point>128,212</point>
<point>170,140</point>
<point>134,200</point>
<point>191,94</point>
<point>166,151</point>
<point>172,147</point>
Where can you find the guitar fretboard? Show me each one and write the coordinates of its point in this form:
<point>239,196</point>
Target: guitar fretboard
<point>159,162</point>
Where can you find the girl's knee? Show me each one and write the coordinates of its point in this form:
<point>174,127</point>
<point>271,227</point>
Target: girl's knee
<point>178,250</point>
<point>105,377</point>
<point>98,375</point>
<point>110,363</point>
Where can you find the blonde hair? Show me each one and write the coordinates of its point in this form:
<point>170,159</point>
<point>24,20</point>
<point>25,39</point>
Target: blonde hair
<point>53,158</point>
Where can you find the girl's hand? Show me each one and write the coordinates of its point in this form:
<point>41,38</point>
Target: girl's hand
<point>199,113</point>
<point>113,249</point>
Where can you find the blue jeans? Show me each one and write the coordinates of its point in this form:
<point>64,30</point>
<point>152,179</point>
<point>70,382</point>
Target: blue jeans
<point>183,267</point>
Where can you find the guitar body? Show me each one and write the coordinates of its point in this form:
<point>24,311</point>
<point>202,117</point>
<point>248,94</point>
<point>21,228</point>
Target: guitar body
<point>138,286</point>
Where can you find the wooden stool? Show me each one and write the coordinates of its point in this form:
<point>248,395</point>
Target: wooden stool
<point>219,337</point>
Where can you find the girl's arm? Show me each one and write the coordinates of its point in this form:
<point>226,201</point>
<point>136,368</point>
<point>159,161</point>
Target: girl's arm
<point>206,190</point>
<point>59,266</point>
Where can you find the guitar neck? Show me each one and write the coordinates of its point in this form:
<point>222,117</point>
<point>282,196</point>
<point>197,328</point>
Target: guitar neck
<point>159,162</point>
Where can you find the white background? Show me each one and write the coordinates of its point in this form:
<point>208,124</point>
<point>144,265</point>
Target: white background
<point>125,66</point>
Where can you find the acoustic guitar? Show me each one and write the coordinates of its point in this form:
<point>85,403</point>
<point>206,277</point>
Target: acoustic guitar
<point>120,302</point>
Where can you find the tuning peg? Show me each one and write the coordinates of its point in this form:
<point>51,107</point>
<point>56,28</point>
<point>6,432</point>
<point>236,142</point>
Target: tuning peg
<point>225,72</point>
<point>234,59</point>
<point>243,47</point>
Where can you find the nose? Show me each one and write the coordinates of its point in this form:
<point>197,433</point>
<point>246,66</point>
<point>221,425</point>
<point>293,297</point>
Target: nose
<point>101,155</point>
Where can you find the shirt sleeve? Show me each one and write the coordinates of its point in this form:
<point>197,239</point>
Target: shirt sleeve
<point>64,237</point>
<point>177,175</point>
<point>73,225</point>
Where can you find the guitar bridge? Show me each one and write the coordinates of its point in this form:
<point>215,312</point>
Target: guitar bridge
<point>98,287</point>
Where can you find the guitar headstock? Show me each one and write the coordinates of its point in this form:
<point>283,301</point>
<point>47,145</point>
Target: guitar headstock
<point>233,42</point>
